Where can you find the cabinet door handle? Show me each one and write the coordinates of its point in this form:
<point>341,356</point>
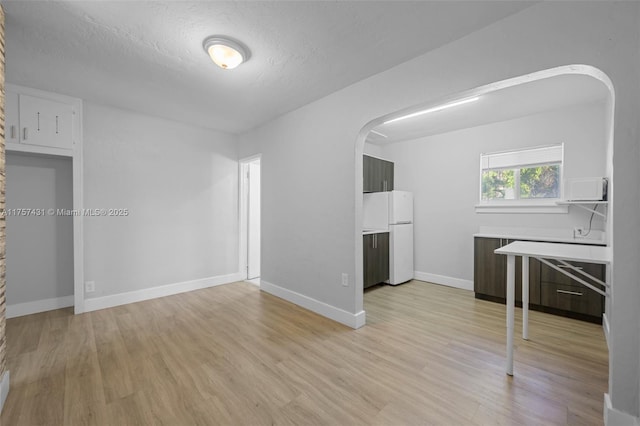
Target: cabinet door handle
<point>25,134</point>
<point>56,124</point>
<point>573,293</point>
<point>375,240</point>
<point>13,132</point>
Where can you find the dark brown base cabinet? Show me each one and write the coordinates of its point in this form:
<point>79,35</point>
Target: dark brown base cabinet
<point>549,290</point>
<point>375,254</point>
<point>377,174</point>
<point>558,291</point>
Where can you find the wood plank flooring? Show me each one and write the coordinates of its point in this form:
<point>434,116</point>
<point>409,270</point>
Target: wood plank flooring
<point>233,355</point>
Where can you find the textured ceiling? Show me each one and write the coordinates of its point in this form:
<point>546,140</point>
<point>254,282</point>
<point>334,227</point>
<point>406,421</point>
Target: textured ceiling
<point>505,104</point>
<point>148,57</point>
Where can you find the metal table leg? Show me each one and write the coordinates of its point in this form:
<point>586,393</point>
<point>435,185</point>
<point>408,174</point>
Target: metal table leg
<point>511,290</point>
<point>525,297</point>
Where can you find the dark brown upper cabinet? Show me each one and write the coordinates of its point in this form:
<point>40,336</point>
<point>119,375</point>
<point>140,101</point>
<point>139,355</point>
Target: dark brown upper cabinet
<point>377,174</point>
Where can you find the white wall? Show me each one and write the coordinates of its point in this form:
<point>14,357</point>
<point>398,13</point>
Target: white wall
<point>180,184</point>
<point>371,149</point>
<point>310,184</point>
<point>39,248</point>
<point>443,173</point>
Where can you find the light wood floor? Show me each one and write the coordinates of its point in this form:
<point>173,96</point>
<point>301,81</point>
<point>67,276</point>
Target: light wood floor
<point>233,355</point>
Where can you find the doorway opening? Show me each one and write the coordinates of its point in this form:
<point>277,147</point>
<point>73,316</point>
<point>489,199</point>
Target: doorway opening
<point>40,245</point>
<point>250,218</point>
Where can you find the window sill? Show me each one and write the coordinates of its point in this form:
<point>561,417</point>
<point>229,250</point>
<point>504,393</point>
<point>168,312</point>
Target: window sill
<point>515,207</point>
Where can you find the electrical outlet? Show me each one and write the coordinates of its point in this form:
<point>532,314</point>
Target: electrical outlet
<point>345,280</point>
<point>90,286</point>
<point>578,232</point>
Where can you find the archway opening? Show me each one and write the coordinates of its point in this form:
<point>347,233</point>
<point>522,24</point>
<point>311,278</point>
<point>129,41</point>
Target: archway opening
<point>436,148</point>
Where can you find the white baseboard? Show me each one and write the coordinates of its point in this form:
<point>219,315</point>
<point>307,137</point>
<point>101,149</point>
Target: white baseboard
<point>321,308</point>
<point>605,328</point>
<point>28,308</point>
<point>613,417</point>
<point>443,280</point>
<point>110,301</point>
<point>4,389</point>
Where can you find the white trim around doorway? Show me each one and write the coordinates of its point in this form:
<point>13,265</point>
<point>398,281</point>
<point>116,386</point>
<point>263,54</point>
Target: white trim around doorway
<point>242,213</point>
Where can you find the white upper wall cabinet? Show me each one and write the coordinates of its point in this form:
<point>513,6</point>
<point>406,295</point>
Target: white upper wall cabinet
<point>41,122</point>
<point>45,122</point>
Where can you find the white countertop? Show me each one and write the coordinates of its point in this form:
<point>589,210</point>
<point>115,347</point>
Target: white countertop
<point>532,234</point>
<point>571,252</point>
<point>374,231</point>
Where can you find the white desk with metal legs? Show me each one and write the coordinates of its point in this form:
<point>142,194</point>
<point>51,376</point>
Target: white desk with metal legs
<point>561,254</point>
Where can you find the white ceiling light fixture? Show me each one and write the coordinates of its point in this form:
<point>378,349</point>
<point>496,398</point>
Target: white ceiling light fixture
<point>434,109</point>
<point>225,52</point>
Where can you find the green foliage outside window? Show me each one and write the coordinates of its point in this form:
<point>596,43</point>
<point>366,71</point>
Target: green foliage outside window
<point>540,182</point>
<point>498,184</point>
<point>532,182</point>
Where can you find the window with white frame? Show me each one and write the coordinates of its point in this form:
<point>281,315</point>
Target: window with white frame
<point>529,175</point>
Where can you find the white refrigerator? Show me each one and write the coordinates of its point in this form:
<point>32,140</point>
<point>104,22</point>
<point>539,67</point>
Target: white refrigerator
<point>393,211</point>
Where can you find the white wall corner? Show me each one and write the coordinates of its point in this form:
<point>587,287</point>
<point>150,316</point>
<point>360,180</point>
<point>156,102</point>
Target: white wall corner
<point>347,318</point>
<point>110,301</point>
<point>613,417</point>
<point>28,308</point>
<point>443,280</point>
<point>4,389</point>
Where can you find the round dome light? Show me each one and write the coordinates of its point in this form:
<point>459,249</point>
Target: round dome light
<point>224,52</point>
